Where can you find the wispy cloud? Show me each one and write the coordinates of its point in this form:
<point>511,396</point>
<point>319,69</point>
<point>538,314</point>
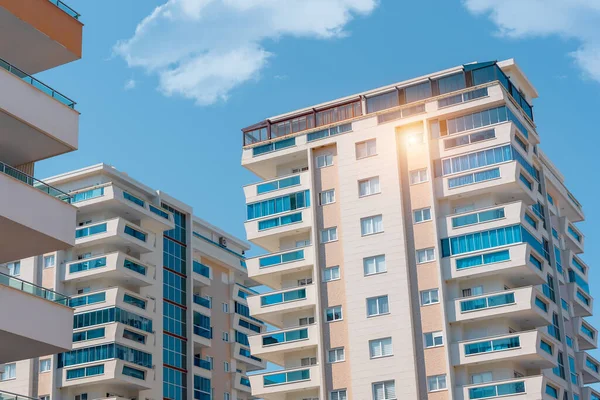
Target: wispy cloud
<point>571,19</point>
<point>130,84</point>
<point>203,49</point>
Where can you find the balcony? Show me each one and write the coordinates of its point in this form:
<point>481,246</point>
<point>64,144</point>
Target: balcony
<point>272,307</point>
<point>525,388</point>
<point>577,291</point>
<point>589,367</point>
<point>115,269</point>
<point>563,199</point>
<point>587,393</point>
<point>240,293</point>
<point>113,199</point>
<point>303,381</point>
<point>273,346</point>
<point>587,335</point>
<point>22,338</point>
<point>244,354</point>
<point>266,231</point>
<point>137,303</point>
<point>241,383</point>
<point>279,186</point>
<point>201,305</point>
<point>201,275</point>
<point>574,239</point>
<point>115,232</point>
<point>202,338</point>
<point>35,218</point>
<point>524,348</point>
<point>12,396</point>
<point>515,304</point>
<point>110,374</point>
<point>202,368</point>
<point>270,269</point>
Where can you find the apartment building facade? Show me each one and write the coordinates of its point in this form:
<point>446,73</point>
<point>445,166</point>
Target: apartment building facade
<point>36,122</point>
<point>159,298</point>
<point>420,245</point>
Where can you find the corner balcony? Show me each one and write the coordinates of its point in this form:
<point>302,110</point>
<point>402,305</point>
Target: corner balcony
<point>244,354</point>
<point>111,198</point>
<point>582,302</point>
<point>574,239</point>
<point>270,269</point>
<point>589,367</point>
<point>115,232</point>
<point>273,346</point>
<point>303,381</point>
<point>501,180</point>
<point>524,388</point>
<point>266,231</point>
<point>115,297</point>
<point>35,218</point>
<point>587,393</point>
<point>114,332</point>
<point>110,373</point>
<point>279,186</point>
<point>240,293</point>
<point>202,368</point>
<point>272,307</point>
<point>514,263</point>
<point>587,335</point>
<point>116,269</point>
<point>247,325</point>
<point>37,121</point>
<point>22,337</point>
<point>241,383</point>
<point>515,304</point>
<point>564,200</point>
<point>525,348</point>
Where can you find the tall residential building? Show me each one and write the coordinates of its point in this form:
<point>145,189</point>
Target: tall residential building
<point>159,298</point>
<point>36,122</point>
<point>420,246</point>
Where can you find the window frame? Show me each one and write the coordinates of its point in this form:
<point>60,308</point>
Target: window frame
<point>426,252</point>
<point>338,392</point>
<point>369,181</point>
<point>372,220</point>
<point>381,347</point>
<point>366,144</point>
<point>325,192</point>
<point>375,263</point>
<point>325,157</point>
<point>339,275</point>
<point>377,300</point>
<point>328,230</point>
<point>333,309</point>
<point>410,176</point>
<point>429,291</point>
<point>42,361</point>
<point>420,210</point>
<point>373,385</point>
<point>13,367</point>
<point>434,335</point>
<point>437,380</point>
<point>49,257</point>
<point>336,351</point>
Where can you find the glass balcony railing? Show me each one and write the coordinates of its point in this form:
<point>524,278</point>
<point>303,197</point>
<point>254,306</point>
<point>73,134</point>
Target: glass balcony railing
<point>158,211</point>
<point>204,302</point>
<point>281,258</point>
<point>140,269</point>
<point>66,9</point>
<point>271,339</point>
<point>31,181</point>
<point>202,331</point>
<point>245,381</point>
<point>278,184</point>
<point>278,298</point>
<point>37,84</point>
<point>87,265</point>
<point>204,364</point>
<point>201,269</point>
<point>286,377</point>
<point>35,290</point>
<point>135,233</point>
<point>503,389</point>
<point>587,331</point>
<point>91,230</point>
<point>244,352</point>
<point>488,346</point>
<point>12,396</point>
<point>487,302</point>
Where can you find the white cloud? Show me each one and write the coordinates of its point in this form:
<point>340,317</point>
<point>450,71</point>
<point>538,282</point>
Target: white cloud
<point>570,19</point>
<point>202,49</point>
<point>130,84</point>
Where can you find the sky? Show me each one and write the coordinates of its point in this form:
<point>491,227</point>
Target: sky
<point>164,87</point>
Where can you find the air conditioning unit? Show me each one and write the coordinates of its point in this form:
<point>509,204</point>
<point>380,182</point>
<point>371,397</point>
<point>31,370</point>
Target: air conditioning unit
<point>223,241</point>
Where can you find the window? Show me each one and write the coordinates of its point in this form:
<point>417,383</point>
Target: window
<point>134,301</point>
<point>366,149</point>
<point>45,397</point>
<point>374,265</point>
<point>425,255</point>
<point>336,355</point>
<point>308,361</point>
<point>10,372</point>
<point>481,377</point>
<point>327,197</point>
<point>377,306</point>
<point>45,365</point>
<point>333,314</point>
<point>338,395</point>
<point>429,297</point>
<point>225,308</point>
<point>331,274</point>
<point>14,268</point>
<point>49,261</point>
<point>329,235</point>
<point>371,225</point>
<point>552,391</point>
<point>82,396</point>
<point>367,187</point>
<point>418,176</point>
<point>384,390</point>
<point>422,215</point>
<point>304,281</point>
<point>472,291</point>
<point>226,396</point>
<point>225,336</point>
<point>309,320</point>
<point>226,366</point>
<point>324,160</point>
<point>433,339</point>
<point>127,334</point>
<point>437,382</point>
<point>380,347</point>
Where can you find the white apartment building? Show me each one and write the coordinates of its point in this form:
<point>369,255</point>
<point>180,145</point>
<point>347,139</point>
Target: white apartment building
<point>36,122</point>
<point>420,245</point>
<point>160,300</point>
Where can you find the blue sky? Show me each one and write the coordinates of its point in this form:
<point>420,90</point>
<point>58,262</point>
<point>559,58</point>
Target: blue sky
<point>167,104</point>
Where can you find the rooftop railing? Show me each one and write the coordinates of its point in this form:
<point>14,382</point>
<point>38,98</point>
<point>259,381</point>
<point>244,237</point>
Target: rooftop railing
<point>31,181</point>
<point>35,290</point>
<point>12,396</point>
<point>37,84</point>
<point>66,9</point>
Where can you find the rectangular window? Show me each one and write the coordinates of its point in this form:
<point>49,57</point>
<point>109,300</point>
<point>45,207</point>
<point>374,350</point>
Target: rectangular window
<point>336,355</point>
<point>552,391</point>
<point>433,339</point>
<point>331,274</point>
<point>225,307</point>
<point>469,139</point>
<point>327,197</point>
<point>278,205</point>
<point>338,395</point>
<point>421,215</point>
<point>380,347</point>
<point>418,176</point>
<point>384,390</point>
<point>225,336</point>
<point>481,377</point>
<point>226,396</point>
<point>329,235</point>
<point>371,225</point>
<point>374,265</point>
<point>10,372</point>
<point>324,160</point>
<point>136,337</point>
<point>49,261</point>
<point>476,218</point>
<point>134,301</point>
<point>367,187</point>
<point>482,259</point>
<point>366,149</point>
<point>417,92</point>
<point>225,366</point>
<point>14,268</point>
<point>430,297</point>
<point>546,346</point>
<point>377,306</point>
<point>476,177</point>
<point>333,314</point>
<point>526,181</point>
<point>425,255</point>
<point>437,382</point>
<point>45,365</point>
